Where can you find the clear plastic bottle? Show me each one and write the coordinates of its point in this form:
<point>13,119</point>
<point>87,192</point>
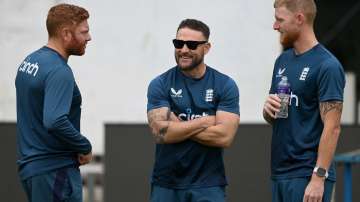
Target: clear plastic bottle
<point>283,91</point>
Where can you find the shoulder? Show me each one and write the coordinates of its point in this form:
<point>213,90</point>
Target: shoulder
<point>221,77</point>
<point>50,61</point>
<point>225,84</point>
<point>328,59</point>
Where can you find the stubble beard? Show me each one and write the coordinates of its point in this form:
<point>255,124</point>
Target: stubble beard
<point>196,61</point>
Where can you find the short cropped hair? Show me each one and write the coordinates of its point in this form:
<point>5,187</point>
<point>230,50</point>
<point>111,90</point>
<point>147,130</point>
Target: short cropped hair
<point>64,15</point>
<point>308,7</point>
<point>195,25</point>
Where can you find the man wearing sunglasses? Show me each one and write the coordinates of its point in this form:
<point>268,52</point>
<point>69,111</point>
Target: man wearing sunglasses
<point>193,113</point>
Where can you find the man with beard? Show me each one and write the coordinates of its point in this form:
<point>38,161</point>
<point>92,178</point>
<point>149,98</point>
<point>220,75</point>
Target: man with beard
<point>193,113</point>
<point>50,146</point>
<point>303,144</point>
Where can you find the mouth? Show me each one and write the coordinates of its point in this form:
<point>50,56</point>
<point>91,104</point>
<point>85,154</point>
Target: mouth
<point>185,57</point>
<point>185,60</point>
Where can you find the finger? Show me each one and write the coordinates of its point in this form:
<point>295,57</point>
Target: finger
<point>274,97</point>
<point>273,108</point>
<point>313,198</point>
<point>274,102</point>
<point>173,117</point>
<point>306,198</point>
<point>319,198</point>
<point>270,113</point>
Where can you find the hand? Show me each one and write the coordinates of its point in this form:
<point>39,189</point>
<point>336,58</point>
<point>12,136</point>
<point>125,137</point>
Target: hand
<point>272,105</point>
<point>174,118</point>
<point>84,159</point>
<point>315,189</point>
<point>209,121</point>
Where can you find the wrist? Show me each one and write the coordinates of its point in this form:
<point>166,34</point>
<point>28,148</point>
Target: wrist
<point>318,179</point>
<point>320,172</point>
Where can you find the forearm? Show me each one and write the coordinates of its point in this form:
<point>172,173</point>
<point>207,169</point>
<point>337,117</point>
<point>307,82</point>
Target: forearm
<point>213,136</point>
<point>327,146</point>
<point>331,115</point>
<point>222,134</point>
<point>66,132</point>
<point>167,132</point>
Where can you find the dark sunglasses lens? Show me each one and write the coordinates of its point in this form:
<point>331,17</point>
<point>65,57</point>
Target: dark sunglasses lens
<point>178,43</point>
<point>192,45</point>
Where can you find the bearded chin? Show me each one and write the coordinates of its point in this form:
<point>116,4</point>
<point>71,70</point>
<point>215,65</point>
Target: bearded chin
<point>73,51</point>
<point>289,40</point>
<point>196,62</point>
<point>75,48</point>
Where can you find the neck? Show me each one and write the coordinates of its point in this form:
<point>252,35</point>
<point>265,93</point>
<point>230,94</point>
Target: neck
<point>306,41</point>
<point>197,72</point>
<point>58,47</point>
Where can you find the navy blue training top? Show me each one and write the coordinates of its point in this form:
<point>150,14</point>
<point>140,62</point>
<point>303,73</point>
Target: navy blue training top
<point>48,114</point>
<point>315,76</point>
<point>189,164</point>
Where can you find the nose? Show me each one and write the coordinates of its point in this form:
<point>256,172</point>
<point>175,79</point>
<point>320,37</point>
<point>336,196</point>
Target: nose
<point>184,48</point>
<point>88,38</point>
<point>276,25</point>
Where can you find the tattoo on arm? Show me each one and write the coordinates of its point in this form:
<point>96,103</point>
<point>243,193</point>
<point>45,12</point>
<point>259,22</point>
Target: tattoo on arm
<point>159,115</point>
<point>161,135</point>
<point>325,107</point>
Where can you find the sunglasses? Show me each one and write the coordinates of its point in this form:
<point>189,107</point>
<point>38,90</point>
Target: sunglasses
<point>192,45</point>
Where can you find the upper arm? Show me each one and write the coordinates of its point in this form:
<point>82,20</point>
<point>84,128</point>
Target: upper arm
<point>156,115</point>
<point>156,95</point>
<point>228,121</point>
<point>229,99</point>
<point>228,112</point>
<point>330,112</point>
<point>331,82</point>
<point>158,109</point>
<point>59,87</point>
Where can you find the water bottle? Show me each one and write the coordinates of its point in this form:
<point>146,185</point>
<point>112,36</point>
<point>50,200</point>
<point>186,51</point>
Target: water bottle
<point>283,91</point>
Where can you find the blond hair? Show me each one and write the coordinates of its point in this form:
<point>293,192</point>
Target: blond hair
<point>307,7</point>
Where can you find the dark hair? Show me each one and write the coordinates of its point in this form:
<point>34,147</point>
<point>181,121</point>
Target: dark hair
<point>64,15</point>
<point>195,25</point>
<point>308,7</point>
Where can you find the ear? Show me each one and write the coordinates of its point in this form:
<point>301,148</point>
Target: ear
<point>300,18</point>
<point>66,34</point>
<point>207,47</point>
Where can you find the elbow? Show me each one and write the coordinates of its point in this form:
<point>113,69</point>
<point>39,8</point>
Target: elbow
<point>159,137</point>
<point>226,142</point>
<point>159,131</point>
<point>51,123</point>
